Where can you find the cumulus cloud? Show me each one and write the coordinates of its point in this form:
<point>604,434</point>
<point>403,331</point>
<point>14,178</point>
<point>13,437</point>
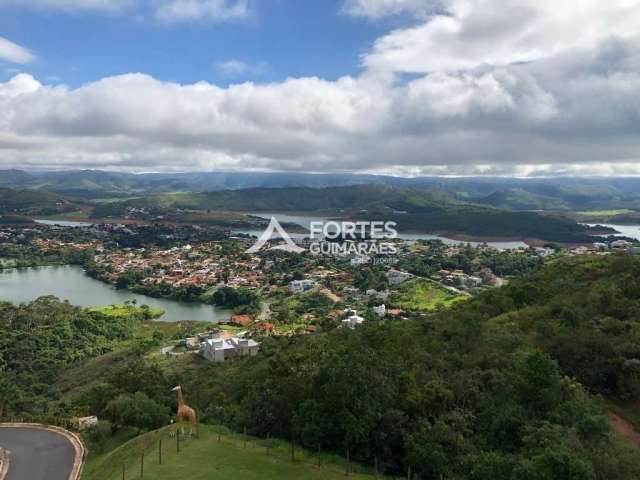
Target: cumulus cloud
<point>14,53</point>
<point>475,32</point>
<point>531,87</point>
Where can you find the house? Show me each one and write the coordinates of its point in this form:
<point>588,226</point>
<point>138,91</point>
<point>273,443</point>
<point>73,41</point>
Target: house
<point>85,423</point>
<point>192,343</point>
<point>380,310</point>
<point>265,328</point>
<point>396,277</point>
<point>219,350</point>
<point>352,320</point>
<point>241,320</point>
<point>471,281</point>
<point>300,286</point>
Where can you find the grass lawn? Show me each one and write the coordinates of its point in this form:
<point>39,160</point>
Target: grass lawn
<point>423,295</point>
<point>124,310</point>
<point>207,458</point>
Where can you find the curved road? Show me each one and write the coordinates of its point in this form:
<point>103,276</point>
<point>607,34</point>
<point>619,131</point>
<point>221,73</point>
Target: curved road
<point>37,454</point>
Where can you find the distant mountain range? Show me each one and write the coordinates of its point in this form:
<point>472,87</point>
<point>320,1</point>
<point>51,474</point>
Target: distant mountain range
<point>479,207</point>
<point>562,193</point>
<point>413,209</point>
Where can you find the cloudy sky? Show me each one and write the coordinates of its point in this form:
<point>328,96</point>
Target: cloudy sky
<point>409,87</point>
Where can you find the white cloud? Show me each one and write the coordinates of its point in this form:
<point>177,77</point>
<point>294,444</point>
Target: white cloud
<point>201,10</point>
<point>166,11</point>
<point>377,9</point>
<point>235,68</point>
<point>524,87</point>
<point>475,32</point>
<point>14,53</point>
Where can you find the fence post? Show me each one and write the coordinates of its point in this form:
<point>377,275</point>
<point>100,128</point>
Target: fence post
<point>142,466</point>
<point>123,467</point>
<point>160,452</point>
<point>245,437</point>
<point>409,476</point>
<point>178,440</point>
<point>293,450</point>
<point>268,442</point>
<point>319,460</point>
<point>348,464</point>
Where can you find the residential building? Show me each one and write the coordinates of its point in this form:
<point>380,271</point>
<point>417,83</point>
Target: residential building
<point>219,350</point>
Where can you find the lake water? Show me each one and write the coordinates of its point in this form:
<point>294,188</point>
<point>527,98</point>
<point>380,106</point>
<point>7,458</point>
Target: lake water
<point>70,283</point>
<point>305,221</point>
<point>632,231</point>
<point>62,223</point>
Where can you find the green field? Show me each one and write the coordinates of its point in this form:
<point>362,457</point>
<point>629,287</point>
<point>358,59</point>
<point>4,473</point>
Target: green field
<point>423,295</point>
<point>228,457</point>
<point>124,310</point>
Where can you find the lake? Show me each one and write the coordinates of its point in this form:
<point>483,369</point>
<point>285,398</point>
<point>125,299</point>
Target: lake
<point>62,223</point>
<point>70,283</point>
<point>631,231</point>
<point>305,221</point>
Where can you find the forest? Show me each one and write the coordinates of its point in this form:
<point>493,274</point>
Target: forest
<point>508,385</point>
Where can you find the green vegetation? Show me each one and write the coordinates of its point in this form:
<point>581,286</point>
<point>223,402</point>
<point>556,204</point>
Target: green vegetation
<point>40,339</point>
<point>411,209</point>
<point>513,384</point>
<point>604,213</point>
<point>32,202</point>
<point>115,311</point>
<point>215,458</point>
<point>423,295</point>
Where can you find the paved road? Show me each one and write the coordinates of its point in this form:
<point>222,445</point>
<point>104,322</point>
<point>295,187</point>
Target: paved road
<point>37,454</point>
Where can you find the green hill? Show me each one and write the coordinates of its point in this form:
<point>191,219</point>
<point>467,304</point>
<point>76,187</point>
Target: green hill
<point>209,457</point>
<point>415,209</point>
<point>519,199</point>
<point>32,202</point>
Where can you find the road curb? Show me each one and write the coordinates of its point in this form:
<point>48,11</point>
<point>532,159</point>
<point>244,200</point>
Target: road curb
<point>78,446</point>
<point>4,463</point>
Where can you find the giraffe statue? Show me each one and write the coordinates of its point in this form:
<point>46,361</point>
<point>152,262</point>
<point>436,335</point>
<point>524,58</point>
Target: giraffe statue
<point>185,412</point>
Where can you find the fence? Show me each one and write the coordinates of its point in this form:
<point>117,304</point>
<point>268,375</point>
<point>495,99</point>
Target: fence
<point>151,450</point>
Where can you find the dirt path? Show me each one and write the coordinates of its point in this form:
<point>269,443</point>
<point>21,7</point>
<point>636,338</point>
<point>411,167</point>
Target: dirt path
<point>624,428</point>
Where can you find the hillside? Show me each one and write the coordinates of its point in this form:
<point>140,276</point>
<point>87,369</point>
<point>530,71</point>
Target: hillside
<point>210,457</point>
<point>519,199</point>
<point>575,193</point>
<point>419,210</point>
<point>32,202</point>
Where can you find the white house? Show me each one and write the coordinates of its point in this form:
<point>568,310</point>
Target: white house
<point>380,310</point>
<point>396,277</point>
<point>218,350</point>
<point>299,286</point>
<point>352,321</point>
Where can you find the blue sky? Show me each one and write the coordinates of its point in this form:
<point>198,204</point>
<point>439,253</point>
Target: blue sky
<point>406,87</point>
<point>279,39</point>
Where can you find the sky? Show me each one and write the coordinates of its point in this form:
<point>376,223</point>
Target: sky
<point>403,87</point>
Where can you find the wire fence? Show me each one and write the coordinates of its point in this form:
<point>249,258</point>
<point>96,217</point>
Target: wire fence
<point>154,449</point>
